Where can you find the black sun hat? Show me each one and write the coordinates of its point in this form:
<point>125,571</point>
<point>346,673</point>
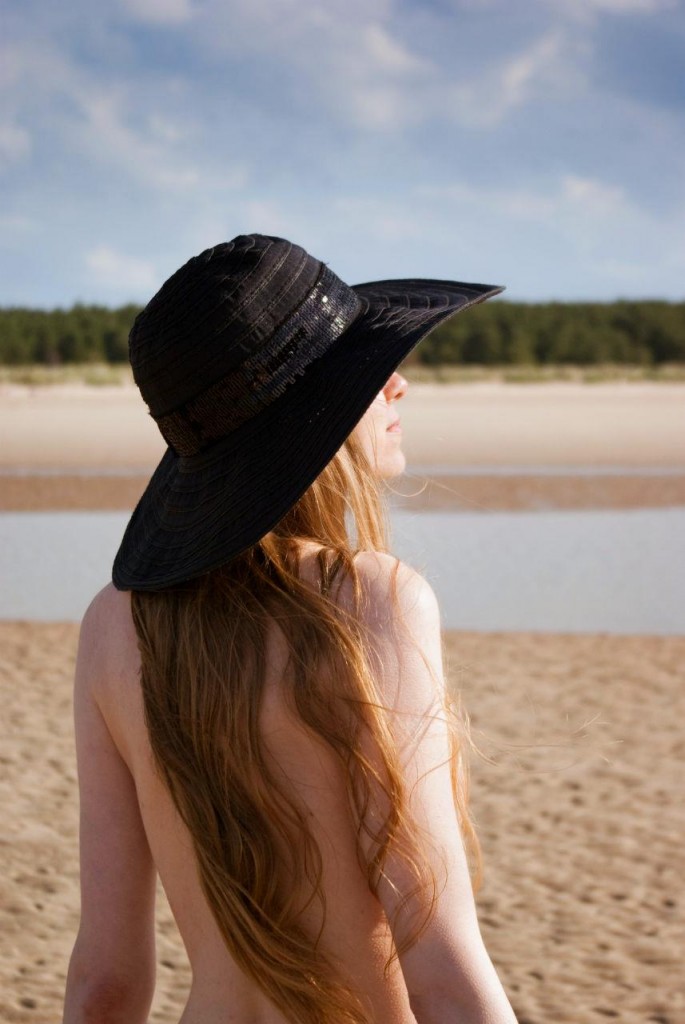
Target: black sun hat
<point>257,362</point>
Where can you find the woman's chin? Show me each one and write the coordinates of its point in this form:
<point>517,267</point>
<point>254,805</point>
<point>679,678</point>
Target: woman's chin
<point>392,464</point>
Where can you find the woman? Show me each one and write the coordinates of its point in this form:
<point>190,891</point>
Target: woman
<point>261,714</point>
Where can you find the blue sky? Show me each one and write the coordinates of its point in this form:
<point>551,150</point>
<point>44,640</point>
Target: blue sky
<point>538,144</point>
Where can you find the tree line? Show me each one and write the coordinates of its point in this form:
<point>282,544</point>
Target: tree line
<point>646,333</point>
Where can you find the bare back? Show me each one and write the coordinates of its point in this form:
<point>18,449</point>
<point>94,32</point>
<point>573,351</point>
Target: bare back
<point>354,932</point>
<point>130,832</point>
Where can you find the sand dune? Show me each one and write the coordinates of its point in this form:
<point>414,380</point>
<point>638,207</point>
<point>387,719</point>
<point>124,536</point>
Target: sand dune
<point>581,821</point>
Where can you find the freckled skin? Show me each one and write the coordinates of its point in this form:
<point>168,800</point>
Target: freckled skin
<point>383,447</point>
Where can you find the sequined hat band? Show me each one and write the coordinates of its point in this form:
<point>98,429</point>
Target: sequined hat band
<point>329,309</point>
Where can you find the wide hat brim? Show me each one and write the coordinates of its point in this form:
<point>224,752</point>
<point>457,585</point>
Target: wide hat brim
<point>200,511</point>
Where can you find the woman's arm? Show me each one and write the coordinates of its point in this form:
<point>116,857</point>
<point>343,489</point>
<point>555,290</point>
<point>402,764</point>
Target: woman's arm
<point>448,972</point>
<point>112,967</point>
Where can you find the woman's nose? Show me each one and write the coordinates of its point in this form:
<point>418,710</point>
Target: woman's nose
<point>396,387</point>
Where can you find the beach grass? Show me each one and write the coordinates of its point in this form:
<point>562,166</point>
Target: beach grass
<point>90,374</point>
<point>602,373</point>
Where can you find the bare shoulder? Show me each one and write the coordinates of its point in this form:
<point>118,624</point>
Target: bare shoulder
<point>108,669</point>
<point>107,642</point>
<point>395,594</point>
<point>400,611</point>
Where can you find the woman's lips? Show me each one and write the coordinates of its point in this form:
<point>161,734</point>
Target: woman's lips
<point>395,428</point>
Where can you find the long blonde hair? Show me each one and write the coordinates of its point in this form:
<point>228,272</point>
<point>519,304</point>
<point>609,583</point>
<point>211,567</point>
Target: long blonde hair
<point>202,647</point>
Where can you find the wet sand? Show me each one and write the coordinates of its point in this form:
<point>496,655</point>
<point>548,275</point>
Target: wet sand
<point>417,491</point>
<point>581,821</point>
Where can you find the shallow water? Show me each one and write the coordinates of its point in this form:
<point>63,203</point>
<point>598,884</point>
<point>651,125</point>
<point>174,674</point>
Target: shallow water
<point>549,571</point>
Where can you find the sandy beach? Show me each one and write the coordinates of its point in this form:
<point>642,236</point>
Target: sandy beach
<point>78,447</point>
<point>560,424</point>
<point>577,797</point>
<point>580,819</point>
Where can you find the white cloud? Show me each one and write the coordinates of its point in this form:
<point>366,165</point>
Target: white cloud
<point>298,119</point>
<point>17,223</point>
<point>10,65</point>
<point>549,63</point>
<point>374,80</point>
<point>621,6</point>
<point>15,142</point>
<point>357,66</point>
<point>292,17</point>
<point>117,272</point>
<point>389,55</point>
<point>116,125</point>
<point>266,216</point>
<point>377,107</point>
<point>587,12</point>
<point>520,73</point>
<point>582,8</point>
<point>160,12</point>
<point>570,197</point>
<point>377,218</point>
<point>109,135</point>
<point>348,57</point>
<point>600,233</point>
<point>153,153</point>
<point>165,129</point>
<point>592,196</point>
